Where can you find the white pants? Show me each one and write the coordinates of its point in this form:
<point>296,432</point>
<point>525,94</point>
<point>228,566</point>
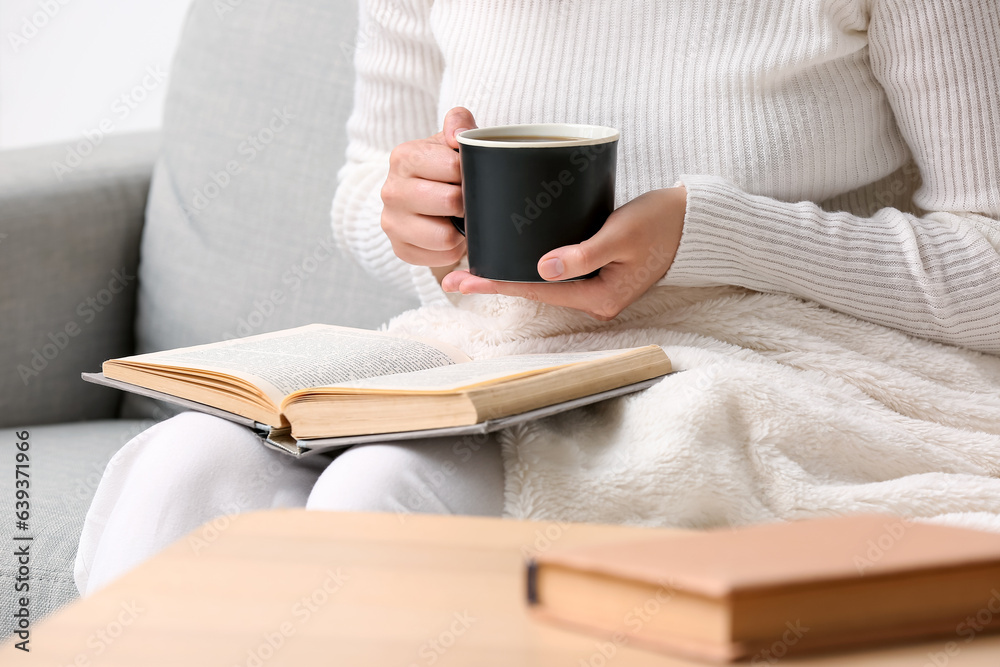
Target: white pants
<point>192,468</point>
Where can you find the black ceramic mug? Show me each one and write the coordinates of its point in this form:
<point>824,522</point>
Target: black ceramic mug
<point>529,189</point>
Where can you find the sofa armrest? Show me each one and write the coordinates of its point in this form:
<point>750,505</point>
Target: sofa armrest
<point>70,221</point>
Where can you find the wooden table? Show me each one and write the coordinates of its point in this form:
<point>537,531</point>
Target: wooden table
<point>301,588</point>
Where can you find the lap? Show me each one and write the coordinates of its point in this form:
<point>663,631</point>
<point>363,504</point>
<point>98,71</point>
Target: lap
<point>449,475</point>
<point>174,477</point>
<point>197,458</point>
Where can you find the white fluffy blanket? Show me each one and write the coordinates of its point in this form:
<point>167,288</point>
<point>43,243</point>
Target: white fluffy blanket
<point>784,409</point>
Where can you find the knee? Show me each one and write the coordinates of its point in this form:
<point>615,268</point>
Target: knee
<point>362,479</point>
<point>192,444</point>
<point>427,477</point>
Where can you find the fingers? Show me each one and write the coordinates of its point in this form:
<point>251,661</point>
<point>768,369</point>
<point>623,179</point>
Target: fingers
<point>578,260</point>
<point>432,233</point>
<point>457,120</point>
<point>423,197</point>
<point>417,256</point>
<point>427,159</point>
<point>423,188</point>
<point>424,240</point>
<point>589,296</point>
<point>633,250</point>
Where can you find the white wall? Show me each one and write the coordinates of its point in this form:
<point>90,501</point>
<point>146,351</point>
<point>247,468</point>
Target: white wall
<point>73,68</point>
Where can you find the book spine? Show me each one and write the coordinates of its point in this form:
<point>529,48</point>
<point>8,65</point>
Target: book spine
<point>532,582</point>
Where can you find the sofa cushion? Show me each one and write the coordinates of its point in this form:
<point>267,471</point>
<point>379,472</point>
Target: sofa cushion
<point>69,247</point>
<point>65,464</point>
<point>237,238</point>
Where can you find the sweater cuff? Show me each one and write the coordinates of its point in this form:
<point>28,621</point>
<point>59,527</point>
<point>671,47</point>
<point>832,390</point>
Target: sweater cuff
<point>713,245</point>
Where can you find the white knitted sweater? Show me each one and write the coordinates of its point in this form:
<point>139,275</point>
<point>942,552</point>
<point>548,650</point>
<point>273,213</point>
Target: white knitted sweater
<point>843,151</point>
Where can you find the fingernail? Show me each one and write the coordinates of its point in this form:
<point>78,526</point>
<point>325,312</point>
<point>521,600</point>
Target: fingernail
<point>551,268</point>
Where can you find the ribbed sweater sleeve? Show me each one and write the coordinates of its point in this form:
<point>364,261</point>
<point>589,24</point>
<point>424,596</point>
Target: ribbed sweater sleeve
<point>398,78</point>
<point>935,276</point>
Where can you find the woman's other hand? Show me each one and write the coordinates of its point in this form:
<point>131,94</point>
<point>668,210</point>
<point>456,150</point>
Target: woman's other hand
<point>423,189</point>
<point>633,250</point>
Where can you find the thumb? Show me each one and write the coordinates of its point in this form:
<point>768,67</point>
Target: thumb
<point>457,120</point>
<point>573,261</point>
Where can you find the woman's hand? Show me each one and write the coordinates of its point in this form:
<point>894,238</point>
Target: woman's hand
<point>633,250</point>
<point>423,189</point>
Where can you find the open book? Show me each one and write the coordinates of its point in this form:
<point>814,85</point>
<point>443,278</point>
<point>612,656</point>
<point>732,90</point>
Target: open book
<point>335,385</point>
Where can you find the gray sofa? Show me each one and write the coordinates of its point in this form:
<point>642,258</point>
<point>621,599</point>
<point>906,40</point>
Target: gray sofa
<point>216,226</point>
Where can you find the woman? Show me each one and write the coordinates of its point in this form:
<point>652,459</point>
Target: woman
<point>824,175</point>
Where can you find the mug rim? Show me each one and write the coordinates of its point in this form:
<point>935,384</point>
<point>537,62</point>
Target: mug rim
<point>589,135</point>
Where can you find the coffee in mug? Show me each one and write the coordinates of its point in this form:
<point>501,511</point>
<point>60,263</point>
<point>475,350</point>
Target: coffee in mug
<point>526,138</point>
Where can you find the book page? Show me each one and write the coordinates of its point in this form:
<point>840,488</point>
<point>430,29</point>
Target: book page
<point>309,356</point>
<point>450,378</point>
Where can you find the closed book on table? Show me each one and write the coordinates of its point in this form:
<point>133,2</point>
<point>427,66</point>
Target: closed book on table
<point>772,589</point>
